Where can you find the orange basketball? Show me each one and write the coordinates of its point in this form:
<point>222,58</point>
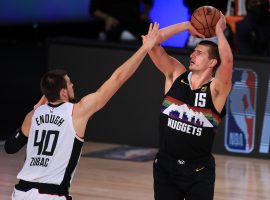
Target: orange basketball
<point>204,20</point>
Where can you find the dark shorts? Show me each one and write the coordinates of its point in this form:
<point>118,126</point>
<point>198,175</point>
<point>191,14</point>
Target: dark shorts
<point>176,179</point>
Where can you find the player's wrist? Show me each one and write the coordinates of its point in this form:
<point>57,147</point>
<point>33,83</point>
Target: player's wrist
<point>219,31</point>
<point>186,25</point>
<point>145,48</point>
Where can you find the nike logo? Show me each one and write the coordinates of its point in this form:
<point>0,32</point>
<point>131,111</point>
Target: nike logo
<point>199,169</point>
<point>182,81</point>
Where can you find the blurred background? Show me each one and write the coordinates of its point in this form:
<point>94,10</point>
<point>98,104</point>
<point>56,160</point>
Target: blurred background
<point>34,20</point>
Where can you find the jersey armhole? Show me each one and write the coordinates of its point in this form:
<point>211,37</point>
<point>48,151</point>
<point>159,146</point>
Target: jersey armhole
<point>76,135</point>
<point>223,111</point>
<point>179,77</point>
<point>79,138</point>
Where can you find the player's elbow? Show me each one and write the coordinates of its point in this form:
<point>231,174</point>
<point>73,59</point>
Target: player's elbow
<point>120,77</point>
<point>161,36</point>
<point>227,81</point>
<point>226,66</point>
<point>16,142</point>
<point>229,61</point>
<point>10,148</point>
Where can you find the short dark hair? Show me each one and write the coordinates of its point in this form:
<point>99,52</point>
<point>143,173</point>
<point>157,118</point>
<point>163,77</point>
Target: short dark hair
<point>52,82</point>
<point>213,52</point>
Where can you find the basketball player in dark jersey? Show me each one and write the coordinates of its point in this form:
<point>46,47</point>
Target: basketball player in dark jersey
<point>192,109</point>
<point>54,131</point>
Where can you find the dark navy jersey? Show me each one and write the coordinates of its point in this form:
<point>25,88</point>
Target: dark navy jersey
<point>188,120</point>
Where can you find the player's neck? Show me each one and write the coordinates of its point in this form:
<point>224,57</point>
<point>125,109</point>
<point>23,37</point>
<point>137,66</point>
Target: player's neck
<point>60,101</point>
<point>197,80</point>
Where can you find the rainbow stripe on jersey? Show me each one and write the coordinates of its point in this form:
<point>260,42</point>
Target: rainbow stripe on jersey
<point>200,117</point>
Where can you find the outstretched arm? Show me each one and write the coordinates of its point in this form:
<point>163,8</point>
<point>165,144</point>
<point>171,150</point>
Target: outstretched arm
<point>169,66</point>
<point>95,101</point>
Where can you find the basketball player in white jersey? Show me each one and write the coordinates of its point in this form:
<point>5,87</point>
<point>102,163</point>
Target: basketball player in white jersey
<point>54,131</point>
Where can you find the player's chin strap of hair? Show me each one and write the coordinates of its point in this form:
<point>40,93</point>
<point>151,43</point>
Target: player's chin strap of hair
<point>16,142</point>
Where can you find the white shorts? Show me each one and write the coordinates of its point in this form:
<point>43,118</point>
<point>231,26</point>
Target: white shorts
<point>34,194</point>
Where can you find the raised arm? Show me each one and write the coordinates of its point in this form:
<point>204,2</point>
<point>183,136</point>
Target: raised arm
<point>174,29</point>
<point>223,78</point>
<point>223,75</point>
<point>95,101</point>
<point>169,66</point>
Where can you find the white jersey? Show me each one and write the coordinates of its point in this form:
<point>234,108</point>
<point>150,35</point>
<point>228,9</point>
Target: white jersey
<point>53,148</point>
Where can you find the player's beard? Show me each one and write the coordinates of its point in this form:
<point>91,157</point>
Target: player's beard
<point>71,99</point>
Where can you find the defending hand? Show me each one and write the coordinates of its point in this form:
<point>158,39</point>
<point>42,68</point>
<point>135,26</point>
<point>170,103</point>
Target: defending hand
<point>150,39</point>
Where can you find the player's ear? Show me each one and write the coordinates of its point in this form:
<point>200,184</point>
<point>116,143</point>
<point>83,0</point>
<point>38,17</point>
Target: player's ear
<point>63,93</point>
<point>212,63</point>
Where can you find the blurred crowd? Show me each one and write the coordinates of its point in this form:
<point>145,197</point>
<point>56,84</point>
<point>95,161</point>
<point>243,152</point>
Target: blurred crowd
<point>121,19</point>
<point>253,32</point>
<point>247,28</point>
<point>248,24</point>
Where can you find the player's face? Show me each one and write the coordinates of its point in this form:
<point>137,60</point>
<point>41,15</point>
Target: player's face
<point>199,59</point>
<point>70,90</point>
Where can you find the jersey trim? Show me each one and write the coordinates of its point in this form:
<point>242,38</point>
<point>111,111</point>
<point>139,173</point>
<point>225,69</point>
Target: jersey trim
<point>74,158</point>
<point>76,135</point>
<point>42,187</point>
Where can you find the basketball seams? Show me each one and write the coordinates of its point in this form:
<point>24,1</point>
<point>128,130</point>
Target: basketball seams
<point>195,18</point>
<point>213,17</point>
<point>206,21</point>
<point>198,20</point>
<point>205,28</point>
<point>212,26</point>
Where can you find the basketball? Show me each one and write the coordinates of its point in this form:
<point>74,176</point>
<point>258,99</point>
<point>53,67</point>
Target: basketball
<point>204,20</point>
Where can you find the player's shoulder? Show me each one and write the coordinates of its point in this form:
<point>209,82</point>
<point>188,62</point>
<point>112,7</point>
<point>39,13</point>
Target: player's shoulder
<point>218,87</point>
